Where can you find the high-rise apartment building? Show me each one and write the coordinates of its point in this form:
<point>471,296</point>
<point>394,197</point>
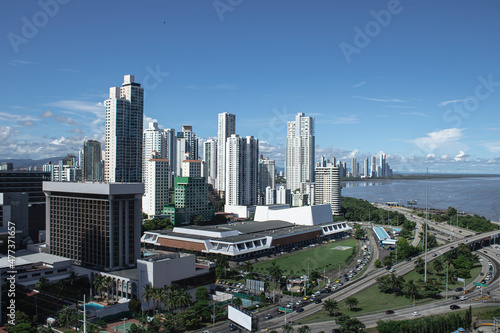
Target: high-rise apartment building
<point>187,147</point>
<point>92,161</point>
<point>161,141</point>
<point>267,169</point>
<point>327,189</point>
<point>191,199</point>
<point>365,168</point>
<point>192,168</point>
<point>373,170</point>
<point>156,187</point>
<point>383,167</point>
<point>299,166</point>
<point>242,163</point>
<point>226,128</point>
<point>97,225</point>
<point>124,127</point>
<point>210,158</point>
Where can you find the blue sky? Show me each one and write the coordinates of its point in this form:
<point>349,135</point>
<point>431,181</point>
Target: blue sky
<point>418,80</point>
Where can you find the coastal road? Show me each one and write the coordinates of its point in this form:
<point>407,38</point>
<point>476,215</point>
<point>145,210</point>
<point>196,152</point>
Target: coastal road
<point>357,285</point>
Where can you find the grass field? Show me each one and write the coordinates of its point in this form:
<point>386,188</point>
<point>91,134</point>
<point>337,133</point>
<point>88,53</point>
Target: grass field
<point>320,257</point>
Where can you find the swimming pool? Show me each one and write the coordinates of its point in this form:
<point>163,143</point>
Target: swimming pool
<point>93,306</point>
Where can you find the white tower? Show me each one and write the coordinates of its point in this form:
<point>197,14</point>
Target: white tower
<point>299,166</point>
<point>226,127</point>
<point>124,127</point>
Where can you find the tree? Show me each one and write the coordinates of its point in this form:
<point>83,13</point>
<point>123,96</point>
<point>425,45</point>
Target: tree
<point>287,328</point>
<point>135,305</point>
<point>108,283</point>
<point>411,289</point>
<point>248,267</point>
<point>351,303</point>
<point>451,212</point>
<point>438,265</point>
<point>377,263</point>
<point>222,263</point>
<point>237,301</point>
<point>99,284</point>
<point>304,329</point>
<point>331,307</point>
<point>201,294</point>
<point>197,220</point>
<point>42,283</point>
<point>420,265</point>
<point>350,325</point>
<point>148,292</point>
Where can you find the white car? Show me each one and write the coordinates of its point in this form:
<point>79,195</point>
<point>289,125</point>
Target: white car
<point>463,298</point>
<point>415,313</point>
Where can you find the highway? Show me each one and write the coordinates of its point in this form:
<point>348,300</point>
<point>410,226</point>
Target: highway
<point>368,280</point>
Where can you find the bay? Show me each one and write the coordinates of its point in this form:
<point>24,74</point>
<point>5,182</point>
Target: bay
<point>476,195</point>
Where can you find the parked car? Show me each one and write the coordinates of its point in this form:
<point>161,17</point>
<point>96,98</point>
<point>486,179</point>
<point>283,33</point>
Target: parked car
<point>463,298</point>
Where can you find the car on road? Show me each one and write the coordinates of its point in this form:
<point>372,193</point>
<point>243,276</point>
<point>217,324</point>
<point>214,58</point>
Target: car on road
<point>318,301</point>
<point>459,289</point>
<point>458,297</point>
<point>389,312</point>
<point>268,316</point>
<point>454,307</point>
<point>434,255</point>
<point>415,313</point>
<point>299,310</point>
<point>463,298</point>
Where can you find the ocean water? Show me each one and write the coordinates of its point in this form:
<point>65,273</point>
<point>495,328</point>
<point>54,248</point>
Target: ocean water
<point>472,195</point>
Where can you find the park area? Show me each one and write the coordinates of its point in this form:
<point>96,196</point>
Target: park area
<point>327,256</point>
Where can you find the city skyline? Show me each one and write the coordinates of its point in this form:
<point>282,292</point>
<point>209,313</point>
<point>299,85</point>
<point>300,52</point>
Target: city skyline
<point>372,75</point>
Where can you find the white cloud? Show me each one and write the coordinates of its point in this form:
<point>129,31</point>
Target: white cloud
<point>440,139</point>
<point>418,114</point>
<point>222,86</point>
<point>453,101</point>
<point>23,120</point>
<point>359,84</point>
<point>462,156</point>
<point>353,119</point>
<point>384,99</point>
<point>6,133</point>
<point>493,146</point>
<point>18,62</point>
<point>60,119</point>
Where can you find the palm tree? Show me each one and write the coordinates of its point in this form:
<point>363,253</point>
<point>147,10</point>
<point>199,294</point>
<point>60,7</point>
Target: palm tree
<point>72,278</point>
<point>248,267</point>
<point>419,264</point>
<point>108,283</point>
<point>287,328</point>
<point>237,301</point>
<point>157,297</point>
<point>42,283</point>
<point>304,329</point>
<point>99,284</point>
<point>148,292</point>
<point>331,307</point>
<point>411,289</point>
<point>166,296</point>
<point>438,265</point>
<point>351,302</point>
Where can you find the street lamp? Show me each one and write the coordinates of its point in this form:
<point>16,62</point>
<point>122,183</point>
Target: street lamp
<point>124,319</point>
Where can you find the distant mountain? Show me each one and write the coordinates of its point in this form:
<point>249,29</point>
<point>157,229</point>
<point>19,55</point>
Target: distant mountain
<point>24,163</point>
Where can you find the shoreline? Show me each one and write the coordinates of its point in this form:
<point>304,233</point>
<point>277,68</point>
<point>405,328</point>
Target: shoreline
<point>418,177</point>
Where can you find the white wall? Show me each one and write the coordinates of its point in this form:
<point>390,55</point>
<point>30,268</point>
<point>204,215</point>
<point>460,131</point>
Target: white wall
<point>306,215</point>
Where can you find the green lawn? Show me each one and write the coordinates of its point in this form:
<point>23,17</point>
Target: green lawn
<point>319,258</point>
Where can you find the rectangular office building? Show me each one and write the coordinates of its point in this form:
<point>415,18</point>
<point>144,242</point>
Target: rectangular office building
<point>98,225</point>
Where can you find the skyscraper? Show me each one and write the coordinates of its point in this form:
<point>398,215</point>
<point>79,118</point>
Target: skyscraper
<point>365,168</point>
<point>124,127</point>
<point>210,158</point>
<point>374,167</point>
<point>187,147</point>
<point>354,168</point>
<point>242,162</point>
<point>157,184</point>
<point>267,170</point>
<point>383,169</point>
<point>92,161</point>
<point>327,189</point>
<point>299,165</point>
<point>226,127</point>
